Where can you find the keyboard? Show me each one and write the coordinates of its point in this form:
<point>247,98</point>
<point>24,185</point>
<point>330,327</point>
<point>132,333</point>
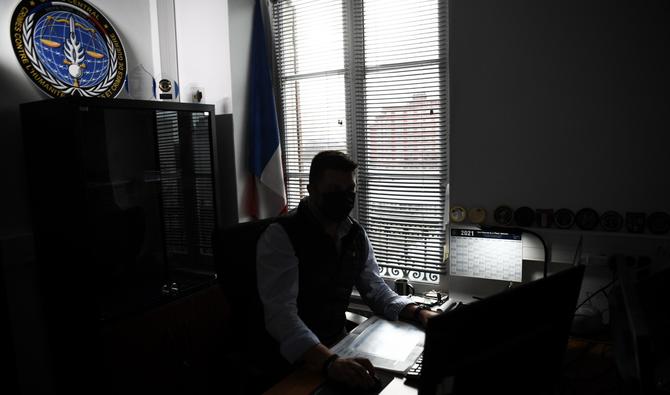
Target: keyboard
<point>414,371</point>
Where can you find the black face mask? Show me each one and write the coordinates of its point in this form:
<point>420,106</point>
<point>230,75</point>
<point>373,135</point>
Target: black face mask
<point>337,205</point>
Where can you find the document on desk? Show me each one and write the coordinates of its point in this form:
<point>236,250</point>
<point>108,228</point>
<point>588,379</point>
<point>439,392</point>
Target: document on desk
<point>389,345</point>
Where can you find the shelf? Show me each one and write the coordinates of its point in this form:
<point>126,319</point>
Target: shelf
<point>600,233</point>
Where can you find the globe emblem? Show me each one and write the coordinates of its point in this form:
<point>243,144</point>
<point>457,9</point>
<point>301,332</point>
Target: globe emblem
<point>71,48</point>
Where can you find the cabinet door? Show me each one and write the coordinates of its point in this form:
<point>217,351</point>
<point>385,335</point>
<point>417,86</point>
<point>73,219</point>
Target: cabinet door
<point>174,349</point>
<point>208,324</point>
<point>185,156</point>
<point>142,353</point>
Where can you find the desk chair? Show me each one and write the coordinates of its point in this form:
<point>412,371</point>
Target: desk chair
<point>253,353</point>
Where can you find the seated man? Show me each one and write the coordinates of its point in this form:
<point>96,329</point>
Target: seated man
<point>308,263</point>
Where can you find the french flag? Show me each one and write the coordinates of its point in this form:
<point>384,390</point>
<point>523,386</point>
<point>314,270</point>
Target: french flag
<point>267,193</point>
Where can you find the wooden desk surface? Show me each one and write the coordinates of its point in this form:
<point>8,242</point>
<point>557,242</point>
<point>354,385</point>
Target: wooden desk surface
<point>304,382</point>
<point>301,381</point>
<point>592,370</point>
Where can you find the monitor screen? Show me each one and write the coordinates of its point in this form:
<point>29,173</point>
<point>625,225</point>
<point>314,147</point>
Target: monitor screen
<point>513,341</point>
<point>490,254</point>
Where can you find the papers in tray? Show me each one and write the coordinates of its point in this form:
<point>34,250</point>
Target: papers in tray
<point>389,345</point>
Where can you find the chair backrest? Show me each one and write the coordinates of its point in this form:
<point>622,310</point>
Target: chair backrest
<point>235,257</point>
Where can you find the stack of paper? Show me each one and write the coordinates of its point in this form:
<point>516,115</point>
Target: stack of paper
<point>389,345</point>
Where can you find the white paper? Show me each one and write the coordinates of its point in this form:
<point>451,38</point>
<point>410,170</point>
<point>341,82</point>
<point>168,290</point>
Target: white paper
<point>389,345</point>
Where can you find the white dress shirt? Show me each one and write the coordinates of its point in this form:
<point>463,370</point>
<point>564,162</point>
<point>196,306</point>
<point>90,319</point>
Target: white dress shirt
<point>277,278</point>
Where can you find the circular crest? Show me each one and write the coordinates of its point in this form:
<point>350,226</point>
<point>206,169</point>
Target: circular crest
<point>564,218</point>
<point>503,215</point>
<point>587,219</point>
<point>68,48</point>
<point>457,214</point>
<point>524,216</point>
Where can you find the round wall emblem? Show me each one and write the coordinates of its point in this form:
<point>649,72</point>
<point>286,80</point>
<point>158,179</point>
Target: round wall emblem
<point>68,48</point>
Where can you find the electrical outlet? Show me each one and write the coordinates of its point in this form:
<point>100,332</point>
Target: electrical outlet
<point>197,94</point>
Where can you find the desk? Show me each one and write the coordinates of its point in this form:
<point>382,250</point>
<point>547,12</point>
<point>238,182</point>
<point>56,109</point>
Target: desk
<point>590,367</point>
<point>303,382</point>
<point>593,372</point>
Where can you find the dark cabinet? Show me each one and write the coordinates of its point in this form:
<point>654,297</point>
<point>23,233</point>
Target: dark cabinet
<point>176,348</point>
<point>124,198</point>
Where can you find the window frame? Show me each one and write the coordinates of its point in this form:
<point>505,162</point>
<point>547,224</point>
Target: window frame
<point>353,91</point>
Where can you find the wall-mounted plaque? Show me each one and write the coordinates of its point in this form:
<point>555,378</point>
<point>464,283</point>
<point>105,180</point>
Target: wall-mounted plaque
<point>68,48</point>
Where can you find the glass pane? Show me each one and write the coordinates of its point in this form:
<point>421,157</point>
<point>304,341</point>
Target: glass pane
<point>310,36</point>
<point>402,144</point>
<point>314,120</point>
<point>398,31</point>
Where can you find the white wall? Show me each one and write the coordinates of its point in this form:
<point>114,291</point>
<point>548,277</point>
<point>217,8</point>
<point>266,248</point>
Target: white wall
<point>203,51</point>
<point>240,18</point>
<point>208,59</point>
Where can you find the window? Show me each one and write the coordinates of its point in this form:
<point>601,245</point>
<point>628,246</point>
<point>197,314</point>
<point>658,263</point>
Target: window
<point>369,77</point>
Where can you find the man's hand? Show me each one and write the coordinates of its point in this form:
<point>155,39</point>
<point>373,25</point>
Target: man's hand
<point>409,311</point>
<point>424,315</point>
<point>354,372</point>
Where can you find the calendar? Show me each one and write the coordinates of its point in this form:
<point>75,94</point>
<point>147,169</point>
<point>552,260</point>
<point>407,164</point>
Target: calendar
<point>495,255</point>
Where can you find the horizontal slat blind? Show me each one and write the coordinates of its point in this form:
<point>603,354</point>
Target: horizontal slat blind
<point>186,166</point>
<point>170,158</point>
<point>371,75</point>
<point>203,197</point>
<point>401,133</point>
<point>309,48</point>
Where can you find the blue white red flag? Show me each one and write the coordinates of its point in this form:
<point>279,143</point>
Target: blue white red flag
<point>267,193</point>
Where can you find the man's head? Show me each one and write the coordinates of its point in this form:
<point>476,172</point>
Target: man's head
<point>332,184</point>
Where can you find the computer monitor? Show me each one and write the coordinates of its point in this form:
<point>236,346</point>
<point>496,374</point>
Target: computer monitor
<point>513,341</point>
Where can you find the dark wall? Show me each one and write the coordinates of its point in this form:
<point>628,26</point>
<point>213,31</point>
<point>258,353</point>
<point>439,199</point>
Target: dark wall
<point>7,353</point>
<point>560,104</point>
<point>14,213</point>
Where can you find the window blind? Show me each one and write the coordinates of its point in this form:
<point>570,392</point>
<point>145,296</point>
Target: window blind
<point>309,48</point>
<point>401,129</point>
<point>369,77</point>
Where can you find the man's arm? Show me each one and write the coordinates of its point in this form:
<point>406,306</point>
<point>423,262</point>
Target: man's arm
<point>277,279</point>
<point>382,299</point>
<point>374,291</point>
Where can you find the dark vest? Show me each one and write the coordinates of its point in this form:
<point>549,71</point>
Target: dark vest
<point>326,277</point>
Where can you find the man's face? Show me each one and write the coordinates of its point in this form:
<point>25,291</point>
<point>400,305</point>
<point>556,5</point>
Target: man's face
<point>334,194</point>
